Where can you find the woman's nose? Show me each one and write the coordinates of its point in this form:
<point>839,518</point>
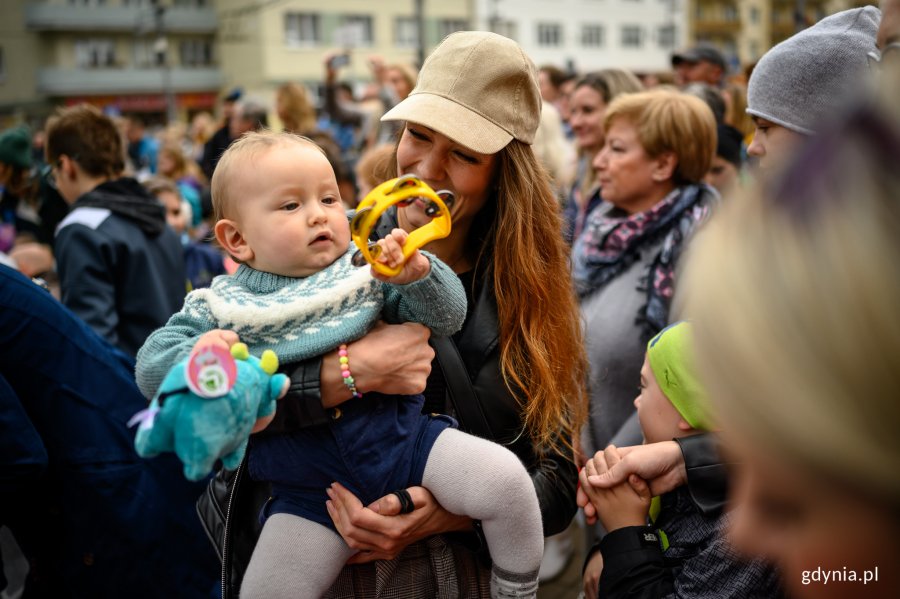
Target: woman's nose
<point>431,168</point>
<point>600,160</point>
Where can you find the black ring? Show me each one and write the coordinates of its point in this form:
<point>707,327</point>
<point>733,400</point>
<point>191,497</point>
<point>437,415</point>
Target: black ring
<point>406,502</point>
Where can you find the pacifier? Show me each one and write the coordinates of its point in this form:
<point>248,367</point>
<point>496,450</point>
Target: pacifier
<point>401,191</point>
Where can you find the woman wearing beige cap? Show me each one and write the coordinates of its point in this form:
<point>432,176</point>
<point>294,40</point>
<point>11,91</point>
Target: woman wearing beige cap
<point>514,374</point>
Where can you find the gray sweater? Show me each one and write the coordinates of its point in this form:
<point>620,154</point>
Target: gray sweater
<point>615,349</point>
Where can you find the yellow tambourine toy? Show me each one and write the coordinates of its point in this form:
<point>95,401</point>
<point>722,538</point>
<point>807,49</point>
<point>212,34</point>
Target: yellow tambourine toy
<point>402,191</point>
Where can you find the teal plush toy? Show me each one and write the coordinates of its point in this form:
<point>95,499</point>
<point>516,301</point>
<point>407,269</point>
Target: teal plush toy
<point>208,405</point>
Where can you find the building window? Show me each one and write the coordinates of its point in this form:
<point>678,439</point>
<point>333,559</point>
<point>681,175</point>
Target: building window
<point>754,50</point>
<point>754,15</point>
<point>406,32</point>
<point>505,28</point>
<point>2,66</point>
<point>144,55</point>
<point>448,26</point>
<point>93,53</point>
<point>195,53</point>
<point>631,36</point>
<point>302,29</point>
<point>354,31</point>
<point>549,34</point>
<point>666,37</point>
<point>192,3</point>
<point>87,2</point>
<point>730,13</point>
<point>592,36</point>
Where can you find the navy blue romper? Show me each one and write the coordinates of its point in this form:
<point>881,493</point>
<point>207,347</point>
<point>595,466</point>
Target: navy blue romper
<point>373,445</point>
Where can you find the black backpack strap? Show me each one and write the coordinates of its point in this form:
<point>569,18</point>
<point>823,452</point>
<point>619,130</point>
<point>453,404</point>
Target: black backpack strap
<point>459,386</point>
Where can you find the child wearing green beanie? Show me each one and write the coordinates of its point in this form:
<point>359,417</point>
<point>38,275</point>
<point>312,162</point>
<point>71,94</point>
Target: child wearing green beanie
<point>672,402</point>
<point>665,546</point>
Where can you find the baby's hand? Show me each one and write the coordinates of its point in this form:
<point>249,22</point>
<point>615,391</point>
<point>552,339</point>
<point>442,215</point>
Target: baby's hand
<point>217,337</point>
<point>417,267</point>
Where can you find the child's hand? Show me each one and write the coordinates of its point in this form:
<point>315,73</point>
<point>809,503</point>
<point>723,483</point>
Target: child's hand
<point>417,267</point>
<point>217,337</point>
<point>584,502</point>
<point>625,504</point>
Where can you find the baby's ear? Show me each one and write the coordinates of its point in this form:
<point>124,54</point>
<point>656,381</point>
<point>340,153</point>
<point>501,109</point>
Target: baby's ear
<point>232,241</point>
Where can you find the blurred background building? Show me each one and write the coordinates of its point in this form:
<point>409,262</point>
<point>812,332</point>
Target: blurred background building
<point>171,58</point>
<point>744,30</point>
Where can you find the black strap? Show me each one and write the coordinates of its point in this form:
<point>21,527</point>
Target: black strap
<point>459,386</point>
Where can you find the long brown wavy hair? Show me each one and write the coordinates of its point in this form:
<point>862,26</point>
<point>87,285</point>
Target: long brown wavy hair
<point>542,354</point>
<point>519,243</point>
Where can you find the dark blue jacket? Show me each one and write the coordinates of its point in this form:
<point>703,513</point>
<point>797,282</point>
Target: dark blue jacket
<point>94,519</point>
<point>121,268</point>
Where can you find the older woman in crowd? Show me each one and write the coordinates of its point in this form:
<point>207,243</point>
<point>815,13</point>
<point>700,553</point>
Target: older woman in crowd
<point>658,146</point>
<point>514,373</point>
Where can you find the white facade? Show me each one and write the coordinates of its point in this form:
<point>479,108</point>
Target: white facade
<point>584,35</point>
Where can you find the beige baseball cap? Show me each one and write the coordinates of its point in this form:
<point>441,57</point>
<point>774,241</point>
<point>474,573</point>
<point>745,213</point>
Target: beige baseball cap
<point>477,88</point>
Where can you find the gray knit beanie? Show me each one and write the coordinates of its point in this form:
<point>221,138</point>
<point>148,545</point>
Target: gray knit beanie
<point>807,77</point>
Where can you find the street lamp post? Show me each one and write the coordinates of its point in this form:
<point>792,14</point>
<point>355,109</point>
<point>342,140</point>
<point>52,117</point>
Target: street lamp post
<point>161,47</point>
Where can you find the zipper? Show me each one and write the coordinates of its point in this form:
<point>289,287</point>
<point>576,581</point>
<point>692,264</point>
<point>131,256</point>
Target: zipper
<point>237,480</point>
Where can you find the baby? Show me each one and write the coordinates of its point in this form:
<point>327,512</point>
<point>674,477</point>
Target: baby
<point>679,551</point>
<point>279,214</point>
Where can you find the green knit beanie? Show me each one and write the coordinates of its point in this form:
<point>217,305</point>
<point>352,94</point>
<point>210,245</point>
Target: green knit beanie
<point>15,147</point>
<point>671,357</point>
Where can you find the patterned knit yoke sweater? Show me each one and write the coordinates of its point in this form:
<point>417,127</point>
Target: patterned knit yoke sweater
<point>300,318</point>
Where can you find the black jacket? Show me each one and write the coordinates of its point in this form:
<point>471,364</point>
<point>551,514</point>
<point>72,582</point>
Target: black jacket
<point>694,561</point>
<point>634,564</point>
<point>121,268</point>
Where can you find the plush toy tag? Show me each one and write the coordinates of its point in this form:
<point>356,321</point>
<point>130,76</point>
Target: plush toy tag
<point>211,371</point>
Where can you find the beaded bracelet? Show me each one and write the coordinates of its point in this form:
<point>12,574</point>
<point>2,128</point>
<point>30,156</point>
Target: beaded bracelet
<point>345,371</point>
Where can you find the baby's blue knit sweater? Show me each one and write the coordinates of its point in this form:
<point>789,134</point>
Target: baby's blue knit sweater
<point>300,318</point>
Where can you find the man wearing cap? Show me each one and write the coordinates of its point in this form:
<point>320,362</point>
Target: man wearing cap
<point>702,63</point>
<point>15,160</point>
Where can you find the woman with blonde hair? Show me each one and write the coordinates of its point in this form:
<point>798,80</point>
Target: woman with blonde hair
<point>587,104</point>
<point>296,112</point>
<point>173,164</point>
<point>658,147</point>
<point>514,374</point>
<point>795,295</point>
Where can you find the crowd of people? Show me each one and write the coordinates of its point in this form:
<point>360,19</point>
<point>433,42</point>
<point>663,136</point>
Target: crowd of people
<point>665,307</point>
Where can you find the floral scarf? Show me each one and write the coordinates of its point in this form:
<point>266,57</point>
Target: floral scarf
<point>612,241</point>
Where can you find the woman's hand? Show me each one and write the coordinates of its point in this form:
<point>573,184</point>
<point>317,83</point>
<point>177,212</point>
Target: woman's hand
<point>380,531</point>
<point>394,359</point>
